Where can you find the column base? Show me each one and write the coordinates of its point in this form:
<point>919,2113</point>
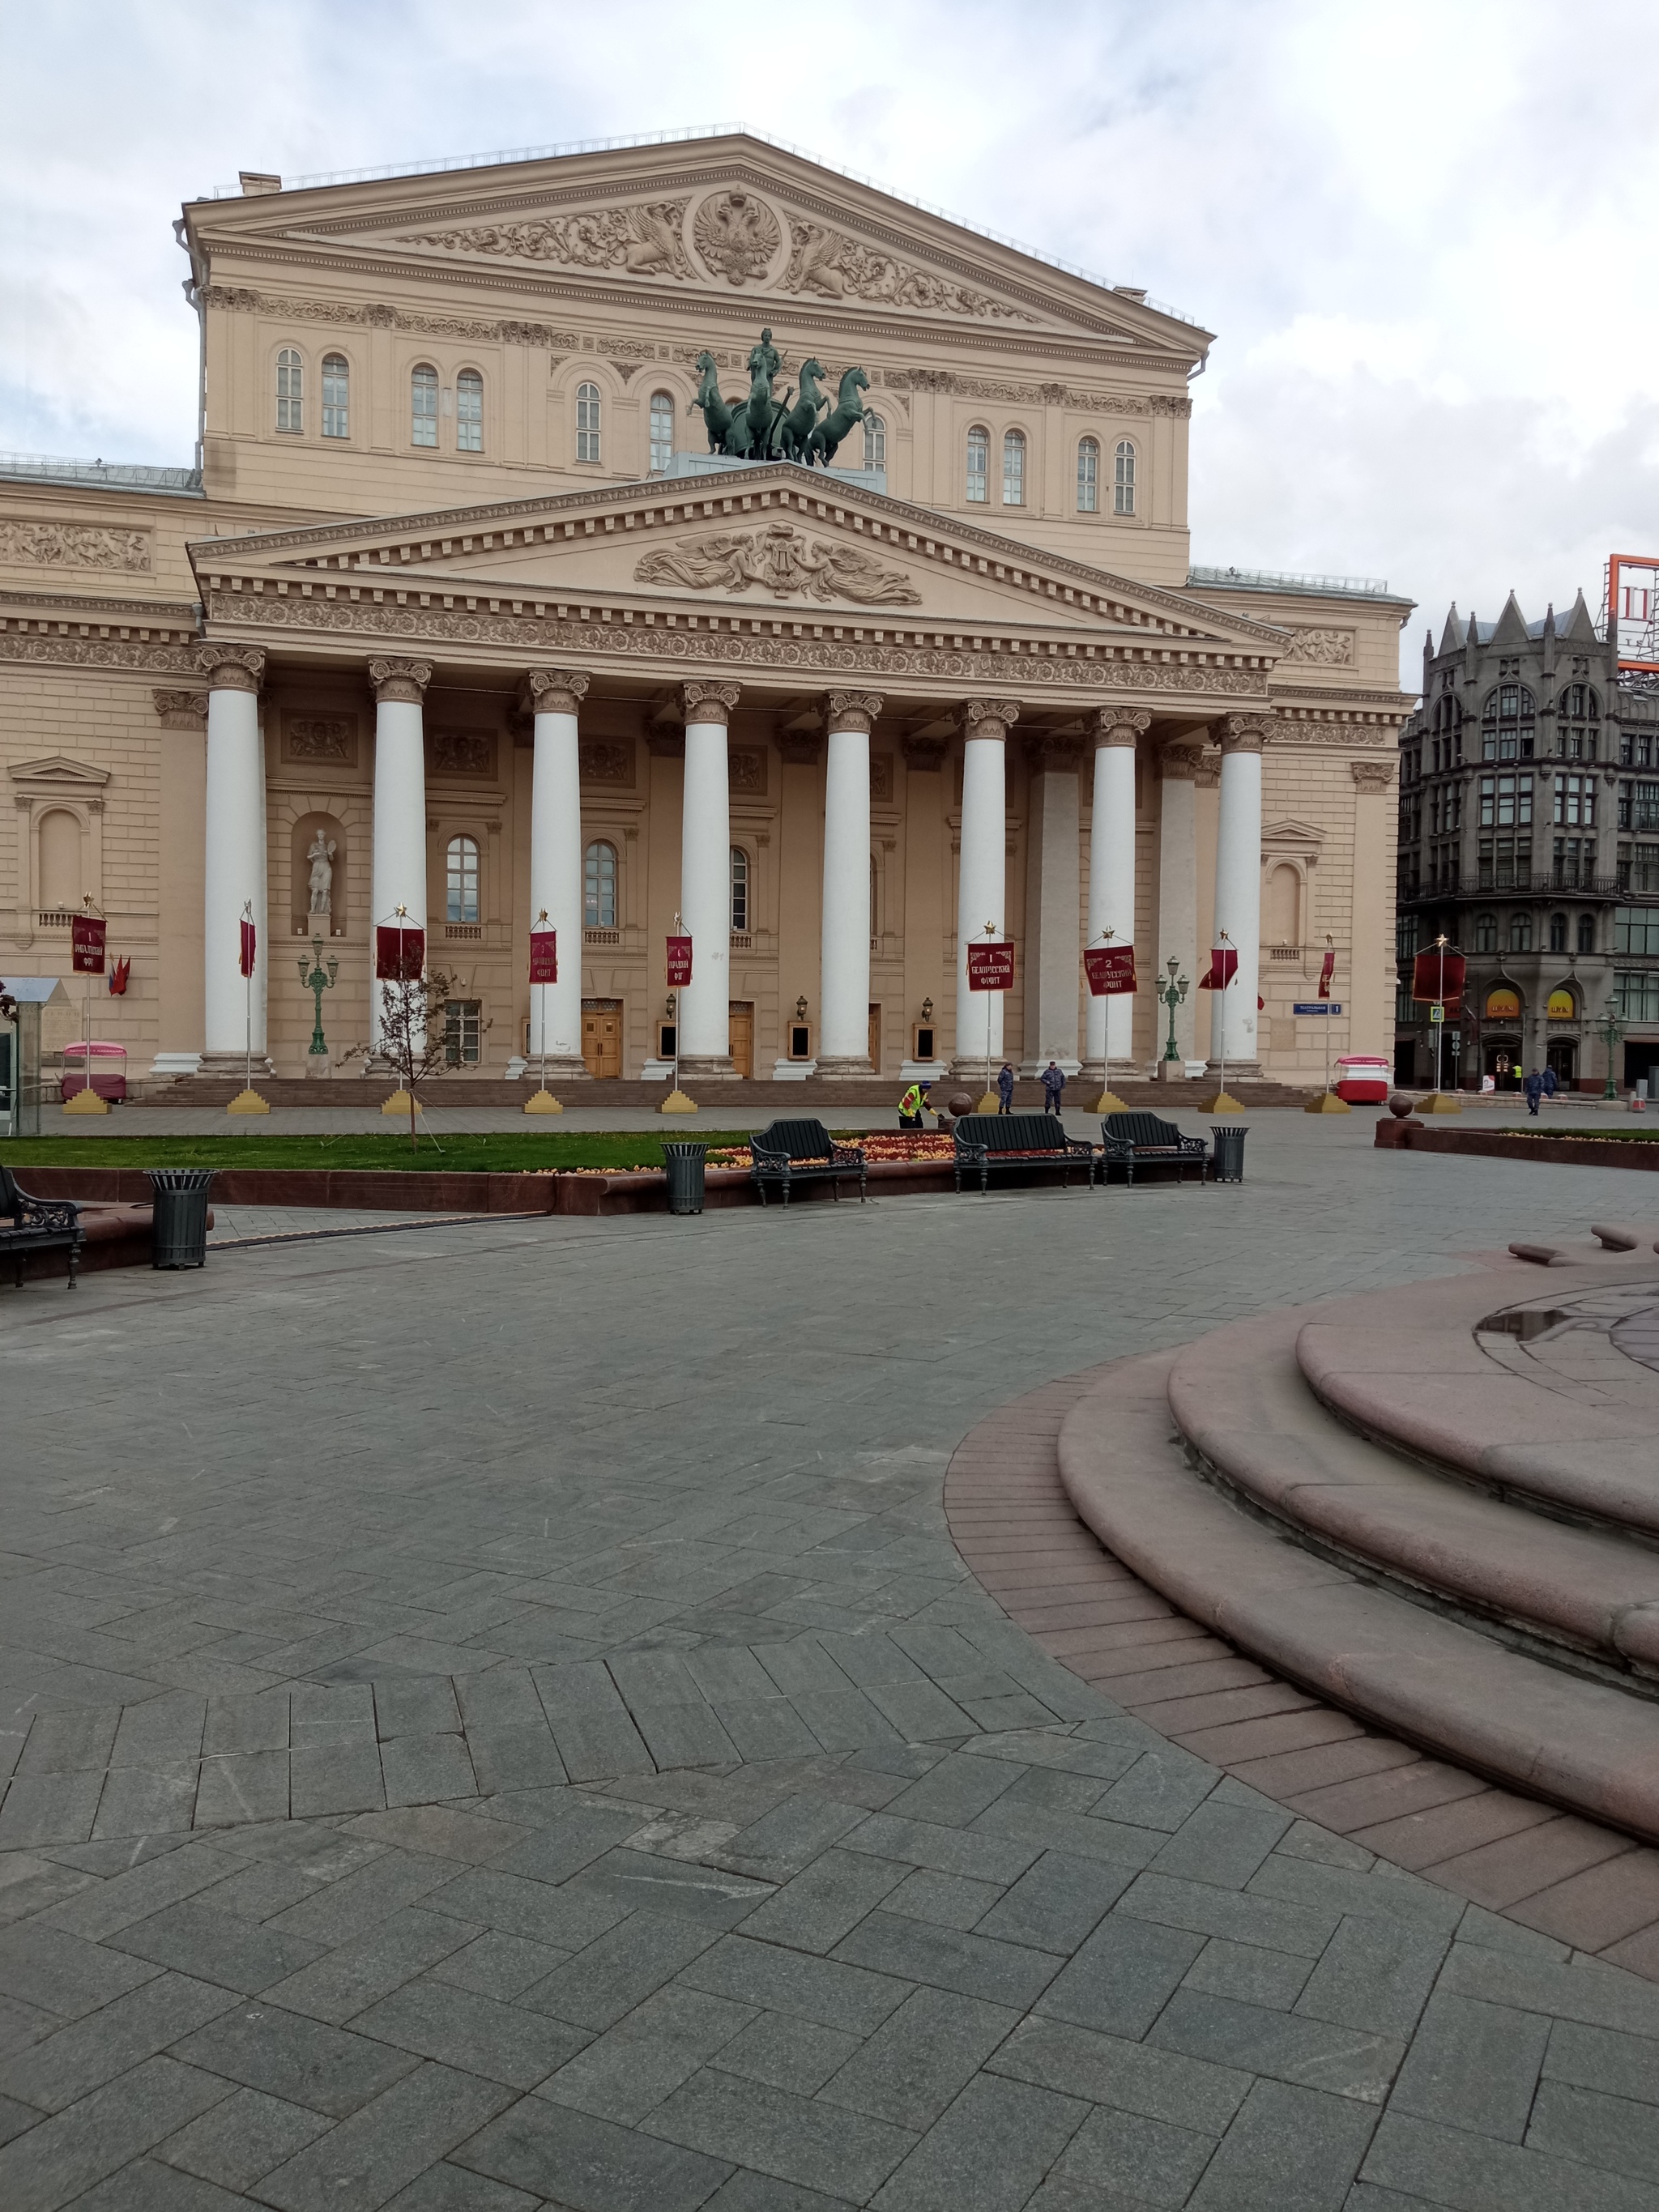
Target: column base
<point>562,1067</point>
<point>318,1067</point>
<point>969,1067</point>
<point>718,1065</point>
<point>175,1064</point>
<point>844,1066</point>
<point>1170,1070</point>
<point>1241,1071</point>
<point>222,1064</point>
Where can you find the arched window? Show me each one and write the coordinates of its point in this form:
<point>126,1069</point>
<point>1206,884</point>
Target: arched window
<point>469,413</point>
<point>662,432</point>
<point>1087,476</point>
<point>1123,477</point>
<point>423,406</point>
<point>587,421</point>
<point>462,881</point>
<point>1521,933</point>
<point>290,390</point>
<point>60,861</point>
<point>1577,721</point>
<point>336,396</point>
<point>740,891</point>
<point>1486,933</point>
<point>1013,469</point>
<point>1508,724</point>
<point>1586,933</point>
<point>600,887</point>
<point>979,465</point>
<point>1558,933</point>
<point>875,442</point>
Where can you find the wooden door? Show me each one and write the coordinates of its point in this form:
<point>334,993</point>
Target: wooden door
<point>742,1017</point>
<point>875,1038</point>
<point>602,1028</point>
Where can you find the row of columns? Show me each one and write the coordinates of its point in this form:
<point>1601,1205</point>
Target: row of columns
<point>235,864</point>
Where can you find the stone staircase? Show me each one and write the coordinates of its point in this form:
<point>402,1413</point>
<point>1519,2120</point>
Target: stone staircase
<point>1438,1507</point>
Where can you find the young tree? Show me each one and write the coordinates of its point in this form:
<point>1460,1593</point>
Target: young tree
<point>415,1035</point>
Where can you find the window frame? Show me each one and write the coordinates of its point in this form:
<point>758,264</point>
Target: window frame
<point>594,880</point>
<point>1126,458</point>
<point>337,410</point>
<point>457,849</point>
<point>1088,476</point>
<point>669,413</point>
<point>470,381</point>
<point>590,434</point>
<point>978,447</point>
<point>291,403</point>
<point>420,418</point>
<point>875,441</point>
<point>741,882</point>
<point>1016,450</point>
<point>463,1028</point>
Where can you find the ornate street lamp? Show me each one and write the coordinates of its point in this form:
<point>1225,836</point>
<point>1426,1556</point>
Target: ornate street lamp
<point>1172,996</point>
<point>1612,1029</point>
<point>316,981</point>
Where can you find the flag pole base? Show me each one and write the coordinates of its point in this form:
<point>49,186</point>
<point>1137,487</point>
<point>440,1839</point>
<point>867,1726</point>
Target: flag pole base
<point>1328,1102</point>
<point>678,1102</point>
<point>1108,1103</point>
<point>247,1102</point>
<point>399,1103</point>
<point>1222,1103</point>
<point>86,1102</point>
<point>1439,1102</point>
<point>542,1101</point>
<point>988,1104</point>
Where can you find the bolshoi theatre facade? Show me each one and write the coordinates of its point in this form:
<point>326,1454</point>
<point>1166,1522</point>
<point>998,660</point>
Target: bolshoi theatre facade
<point>682,536</point>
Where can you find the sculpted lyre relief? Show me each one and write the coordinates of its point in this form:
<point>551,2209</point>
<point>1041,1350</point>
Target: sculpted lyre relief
<point>644,240</point>
<point>781,561</point>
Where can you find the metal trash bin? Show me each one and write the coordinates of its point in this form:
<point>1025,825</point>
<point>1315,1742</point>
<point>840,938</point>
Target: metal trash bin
<point>1227,1160</point>
<point>686,1172</point>
<point>179,1220</point>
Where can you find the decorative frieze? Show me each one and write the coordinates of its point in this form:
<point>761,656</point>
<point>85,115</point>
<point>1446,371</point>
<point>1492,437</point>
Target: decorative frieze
<point>834,265</point>
<point>240,299</point>
<point>464,752</point>
<point>643,241</point>
<point>1176,405</point>
<point>781,560</point>
<point>746,770</point>
<point>73,545</point>
<point>737,235</point>
<point>603,762</point>
<point>311,737</point>
<point>1321,648</point>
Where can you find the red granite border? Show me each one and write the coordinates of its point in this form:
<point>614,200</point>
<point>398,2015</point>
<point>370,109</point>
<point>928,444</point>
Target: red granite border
<point>1514,1145</point>
<point>1015,1528</point>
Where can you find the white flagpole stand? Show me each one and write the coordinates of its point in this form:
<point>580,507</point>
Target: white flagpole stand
<point>86,1100</point>
<point>677,1101</point>
<point>1108,1101</point>
<point>543,1102</point>
<point>1222,1104</point>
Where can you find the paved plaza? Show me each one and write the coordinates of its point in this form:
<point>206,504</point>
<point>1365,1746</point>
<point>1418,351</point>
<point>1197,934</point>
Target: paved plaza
<point>498,1720</point>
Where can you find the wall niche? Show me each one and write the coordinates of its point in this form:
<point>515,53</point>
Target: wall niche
<point>319,871</point>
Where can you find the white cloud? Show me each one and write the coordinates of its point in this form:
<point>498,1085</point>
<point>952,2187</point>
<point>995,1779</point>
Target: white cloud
<point>1420,231</point>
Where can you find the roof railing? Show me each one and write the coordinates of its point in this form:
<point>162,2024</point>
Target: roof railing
<point>57,468</point>
<point>1272,580</point>
<point>441,164</point>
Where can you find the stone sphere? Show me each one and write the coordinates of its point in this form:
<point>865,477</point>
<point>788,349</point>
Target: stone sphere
<point>958,1102</point>
<point>1400,1104</point>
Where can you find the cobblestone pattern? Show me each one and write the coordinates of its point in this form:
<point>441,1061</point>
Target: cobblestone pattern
<point>497,1721</point>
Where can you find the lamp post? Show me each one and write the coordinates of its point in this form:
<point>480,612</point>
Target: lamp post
<point>316,981</point>
<point>1172,996</point>
<point>1612,1030</point>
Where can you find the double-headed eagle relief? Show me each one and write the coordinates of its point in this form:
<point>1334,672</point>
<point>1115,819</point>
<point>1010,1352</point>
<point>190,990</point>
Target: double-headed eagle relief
<point>781,561</point>
<point>806,427</point>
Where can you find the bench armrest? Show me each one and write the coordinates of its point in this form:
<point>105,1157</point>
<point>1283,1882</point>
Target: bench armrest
<point>47,1213</point>
<point>846,1156</point>
<point>1195,1147</point>
<point>1117,1148</point>
<point>771,1161</point>
<point>967,1149</point>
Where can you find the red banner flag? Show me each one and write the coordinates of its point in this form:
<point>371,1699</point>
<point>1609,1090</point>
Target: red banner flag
<point>1110,970</point>
<point>1223,966</point>
<point>1437,976</point>
<point>1327,971</point>
<point>679,963</point>
<point>250,948</point>
<point>991,967</point>
<point>87,932</point>
<point>118,979</point>
<point>400,954</point>
<point>543,956</point>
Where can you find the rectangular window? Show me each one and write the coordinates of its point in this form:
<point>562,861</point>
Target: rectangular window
<point>469,413</point>
<point>336,393</point>
<point>1636,930</point>
<point>1636,995</point>
<point>1013,470</point>
<point>463,1031</point>
<point>1644,876</point>
<point>1575,801</point>
<point>979,467</point>
<point>423,407</point>
<point>1644,811</point>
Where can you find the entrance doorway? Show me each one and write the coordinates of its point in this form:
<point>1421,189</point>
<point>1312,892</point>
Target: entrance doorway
<point>1562,1057</point>
<point>875,1038</point>
<point>741,1015</point>
<point>1502,1062</point>
<point>602,1036</point>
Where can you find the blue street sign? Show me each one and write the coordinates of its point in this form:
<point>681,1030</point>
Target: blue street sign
<point>1318,1006</point>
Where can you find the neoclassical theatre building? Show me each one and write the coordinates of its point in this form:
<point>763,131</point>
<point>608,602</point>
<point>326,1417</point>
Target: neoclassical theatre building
<point>685,531</point>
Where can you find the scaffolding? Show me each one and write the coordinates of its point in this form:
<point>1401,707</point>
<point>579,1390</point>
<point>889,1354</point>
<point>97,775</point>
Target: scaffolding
<point>1630,614</point>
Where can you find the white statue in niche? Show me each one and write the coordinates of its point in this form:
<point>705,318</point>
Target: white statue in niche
<point>320,852</point>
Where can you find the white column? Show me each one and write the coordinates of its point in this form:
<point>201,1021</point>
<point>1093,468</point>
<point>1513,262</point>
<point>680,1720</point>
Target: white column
<point>705,1006</point>
<point>556,868</point>
<point>398,875</point>
<point>1054,868</point>
<point>1238,891</point>
<point>234,873</point>
<point>1110,1023</point>
<point>844,949</point>
<point>981,876</point>
<point>1177,900</point>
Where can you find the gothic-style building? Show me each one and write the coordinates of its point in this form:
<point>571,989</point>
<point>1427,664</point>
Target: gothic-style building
<point>1529,839</point>
<point>460,613</point>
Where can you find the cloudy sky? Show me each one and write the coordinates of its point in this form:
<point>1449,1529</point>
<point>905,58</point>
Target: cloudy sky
<point>1424,231</point>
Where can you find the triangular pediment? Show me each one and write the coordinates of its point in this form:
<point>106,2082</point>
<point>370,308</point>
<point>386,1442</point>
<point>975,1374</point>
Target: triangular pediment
<point>769,539</point>
<point>60,772</point>
<point>731,219</point>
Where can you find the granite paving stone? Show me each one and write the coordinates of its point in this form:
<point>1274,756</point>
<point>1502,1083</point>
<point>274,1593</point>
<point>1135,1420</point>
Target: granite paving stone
<point>1290,2150</point>
<point>363,1968</point>
<point>798,2055</point>
<point>1311,2053</point>
<point>304,2061</point>
<point>1470,2172</point>
<point>59,2068</point>
<point>1151,2162</point>
<point>590,2164</point>
<point>987,2152</point>
<point>368,2158</point>
<point>798,2139</point>
<point>57,2161</point>
<point>467,2029</point>
<point>1133,2077</point>
<point>920,2057</point>
<point>240,2139</point>
<point>1120,1977</point>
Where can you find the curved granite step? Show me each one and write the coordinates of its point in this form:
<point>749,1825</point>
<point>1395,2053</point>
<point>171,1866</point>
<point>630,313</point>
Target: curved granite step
<point>1588,1598</point>
<point>1587,1745</point>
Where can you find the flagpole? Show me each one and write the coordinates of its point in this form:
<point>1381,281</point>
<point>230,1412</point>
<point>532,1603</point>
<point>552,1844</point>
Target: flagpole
<point>542,1011</point>
<point>1221,1003</point>
<point>247,981</point>
<point>1331,942</point>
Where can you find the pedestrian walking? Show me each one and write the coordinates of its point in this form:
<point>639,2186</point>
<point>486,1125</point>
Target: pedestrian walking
<point>1005,1089</point>
<point>911,1104</point>
<point>1054,1082</point>
<point>1534,1087</point>
<point>1551,1083</point>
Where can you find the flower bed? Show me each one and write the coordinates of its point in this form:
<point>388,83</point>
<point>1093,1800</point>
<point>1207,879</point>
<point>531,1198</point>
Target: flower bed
<point>879,1145</point>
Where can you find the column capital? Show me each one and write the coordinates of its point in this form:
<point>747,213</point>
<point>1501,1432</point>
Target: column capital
<point>181,710</point>
<point>709,702</point>
<point>924,756</point>
<point>1245,733</point>
<point>1372,775</point>
<point>1051,753</point>
<point>1121,725</point>
<point>404,680</point>
<point>231,667</point>
<point>989,718</point>
<point>553,690</point>
<point>1179,763</point>
<point>852,710</point>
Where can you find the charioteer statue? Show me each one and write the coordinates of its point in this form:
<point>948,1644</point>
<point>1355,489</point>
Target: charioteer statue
<point>762,428</point>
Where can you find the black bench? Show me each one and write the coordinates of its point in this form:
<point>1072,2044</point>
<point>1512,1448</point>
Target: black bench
<point>989,1142</point>
<point>38,1225</point>
<point>1131,1140</point>
<point>789,1152</point>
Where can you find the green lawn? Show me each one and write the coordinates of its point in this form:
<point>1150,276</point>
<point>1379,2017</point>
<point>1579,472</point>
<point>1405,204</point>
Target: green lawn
<point>504,1153</point>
